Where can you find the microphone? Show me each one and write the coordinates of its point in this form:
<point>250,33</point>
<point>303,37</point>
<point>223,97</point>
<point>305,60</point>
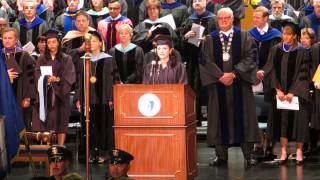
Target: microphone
<point>152,66</point>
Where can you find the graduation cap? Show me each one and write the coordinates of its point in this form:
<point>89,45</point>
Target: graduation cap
<point>117,156</point>
<point>100,37</point>
<point>52,33</point>
<point>294,26</point>
<point>163,40</point>
<point>58,153</point>
<point>160,30</point>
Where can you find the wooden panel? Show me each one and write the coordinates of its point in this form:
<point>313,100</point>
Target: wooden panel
<point>191,135</point>
<point>162,151</point>
<point>172,110</point>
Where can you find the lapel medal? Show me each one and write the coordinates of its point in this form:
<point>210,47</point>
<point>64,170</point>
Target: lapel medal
<point>226,56</point>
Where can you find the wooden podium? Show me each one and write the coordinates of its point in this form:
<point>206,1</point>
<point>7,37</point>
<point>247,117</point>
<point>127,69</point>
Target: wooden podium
<point>156,124</point>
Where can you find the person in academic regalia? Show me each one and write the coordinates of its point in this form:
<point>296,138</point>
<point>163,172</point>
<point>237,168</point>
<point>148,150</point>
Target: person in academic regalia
<point>145,31</point>
<point>75,39</point>
<point>108,26</point>
<point>178,10</point>
<point>45,13</point>
<point>57,6</point>
<point>311,21</point>
<point>98,11</point>
<point>67,20</point>
<point>278,15</point>
<point>30,27</point>
<point>202,17</point>
<point>20,66</point>
<point>288,68</point>
<point>103,75</point>
<point>305,10</point>
<point>53,105</point>
<point>228,71</point>
<point>40,47</point>
<point>164,68</point>
<point>265,38</point>
<point>128,56</point>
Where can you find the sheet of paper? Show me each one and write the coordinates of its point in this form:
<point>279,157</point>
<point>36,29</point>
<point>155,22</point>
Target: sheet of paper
<point>294,105</point>
<point>46,70</point>
<point>198,29</point>
<point>257,88</point>
<point>168,19</point>
<point>29,47</point>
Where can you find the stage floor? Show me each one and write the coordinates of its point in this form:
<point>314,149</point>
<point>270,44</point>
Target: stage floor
<point>234,171</point>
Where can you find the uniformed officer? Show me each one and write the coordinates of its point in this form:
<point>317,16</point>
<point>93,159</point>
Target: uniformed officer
<point>119,164</point>
<point>60,158</point>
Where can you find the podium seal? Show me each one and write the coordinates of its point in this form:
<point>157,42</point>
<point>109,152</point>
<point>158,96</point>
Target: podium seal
<point>149,105</point>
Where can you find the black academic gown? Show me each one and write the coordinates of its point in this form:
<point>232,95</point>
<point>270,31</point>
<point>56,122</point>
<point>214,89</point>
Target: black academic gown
<point>153,74</point>
<point>289,73</point>
<point>102,68</point>
<point>190,51</point>
<point>231,109</point>
<point>58,97</point>
<point>129,63</point>
<point>23,86</point>
<point>315,115</point>
<point>264,44</point>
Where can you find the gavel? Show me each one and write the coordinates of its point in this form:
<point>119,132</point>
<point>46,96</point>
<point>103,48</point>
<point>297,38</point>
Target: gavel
<point>43,137</point>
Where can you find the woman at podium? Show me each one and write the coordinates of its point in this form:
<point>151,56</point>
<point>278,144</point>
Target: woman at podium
<point>164,67</point>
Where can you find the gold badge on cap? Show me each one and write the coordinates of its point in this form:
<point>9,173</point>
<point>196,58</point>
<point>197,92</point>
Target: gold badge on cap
<point>54,150</point>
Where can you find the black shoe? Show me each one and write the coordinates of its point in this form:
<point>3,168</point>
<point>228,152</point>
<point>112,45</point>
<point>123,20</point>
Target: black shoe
<point>218,162</point>
<point>283,162</point>
<point>250,162</point>
<point>299,162</point>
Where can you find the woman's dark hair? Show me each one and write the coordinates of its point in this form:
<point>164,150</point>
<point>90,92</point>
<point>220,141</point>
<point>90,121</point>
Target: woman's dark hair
<point>59,54</point>
<point>39,39</point>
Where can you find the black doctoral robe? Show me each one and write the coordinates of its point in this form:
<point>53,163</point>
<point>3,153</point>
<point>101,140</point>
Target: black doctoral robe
<point>23,86</point>
<point>315,115</point>
<point>264,43</point>
<point>231,109</point>
<point>129,63</point>
<point>58,97</point>
<point>289,72</point>
<point>191,52</point>
<point>102,67</point>
<point>30,31</point>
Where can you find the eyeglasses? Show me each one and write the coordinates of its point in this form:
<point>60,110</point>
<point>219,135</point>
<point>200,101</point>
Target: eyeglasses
<point>224,18</point>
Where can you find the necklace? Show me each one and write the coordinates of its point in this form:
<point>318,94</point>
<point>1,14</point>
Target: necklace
<point>93,78</point>
<point>226,50</point>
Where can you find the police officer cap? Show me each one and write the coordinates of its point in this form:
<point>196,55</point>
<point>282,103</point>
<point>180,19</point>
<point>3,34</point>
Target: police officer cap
<point>117,156</point>
<point>58,153</point>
